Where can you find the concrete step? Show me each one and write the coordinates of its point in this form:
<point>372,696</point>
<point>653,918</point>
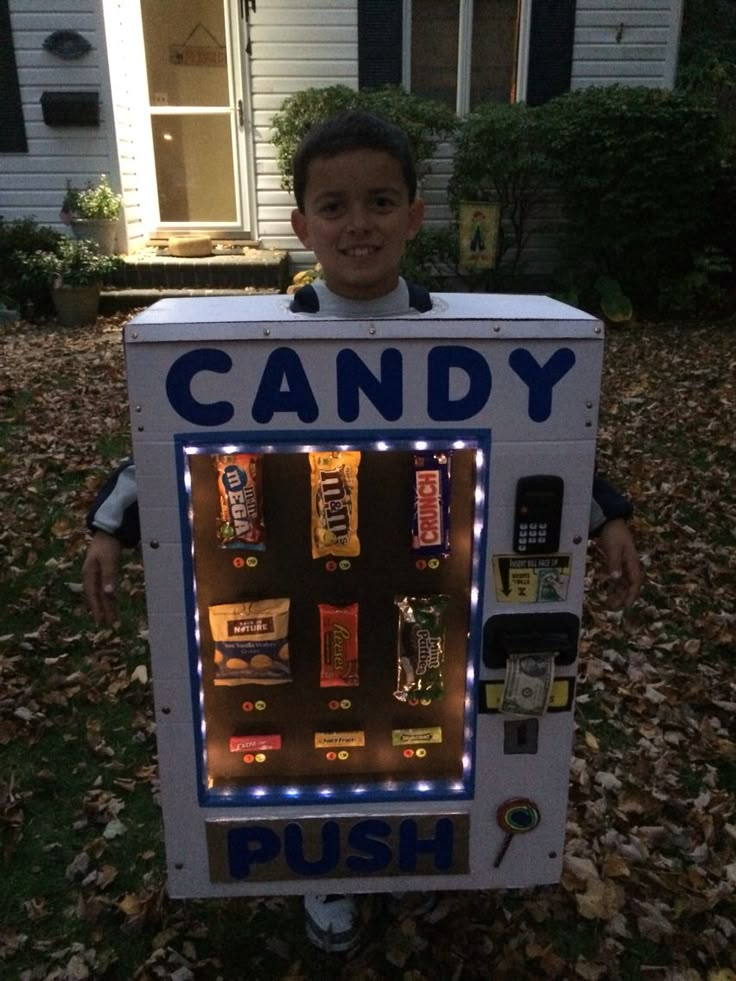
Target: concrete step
<point>234,270</point>
<point>113,300</point>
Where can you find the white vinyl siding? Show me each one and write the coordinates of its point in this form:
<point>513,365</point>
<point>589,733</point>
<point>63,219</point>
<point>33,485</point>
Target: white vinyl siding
<point>34,183</point>
<point>626,42</point>
<point>296,46</point>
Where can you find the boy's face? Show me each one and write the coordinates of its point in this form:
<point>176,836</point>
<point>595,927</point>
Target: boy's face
<point>357,219</point>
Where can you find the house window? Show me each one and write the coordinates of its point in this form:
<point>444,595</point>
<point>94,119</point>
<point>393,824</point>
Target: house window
<point>462,53</point>
<point>12,125</point>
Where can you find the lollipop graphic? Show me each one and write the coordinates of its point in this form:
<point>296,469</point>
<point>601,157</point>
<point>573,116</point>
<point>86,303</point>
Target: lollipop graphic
<point>516,817</point>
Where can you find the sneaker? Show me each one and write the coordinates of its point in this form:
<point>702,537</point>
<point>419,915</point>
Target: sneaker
<point>332,922</point>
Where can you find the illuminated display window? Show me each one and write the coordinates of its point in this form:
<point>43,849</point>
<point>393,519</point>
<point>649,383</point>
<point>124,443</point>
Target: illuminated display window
<point>333,647</point>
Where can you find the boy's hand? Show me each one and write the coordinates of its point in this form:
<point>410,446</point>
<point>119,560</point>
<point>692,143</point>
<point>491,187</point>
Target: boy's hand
<point>622,563</point>
<point>100,576</point>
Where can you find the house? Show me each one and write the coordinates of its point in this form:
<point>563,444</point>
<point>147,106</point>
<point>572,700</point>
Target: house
<point>173,98</point>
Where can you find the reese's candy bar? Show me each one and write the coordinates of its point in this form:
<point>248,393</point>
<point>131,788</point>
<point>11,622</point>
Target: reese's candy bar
<point>338,645</point>
<point>239,481</point>
<point>334,486</point>
<point>430,534</point>
<point>251,642</point>
<point>421,646</point>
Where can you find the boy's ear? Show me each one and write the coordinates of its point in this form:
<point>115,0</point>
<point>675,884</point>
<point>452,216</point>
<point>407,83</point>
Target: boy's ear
<point>299,224</point>
<point>416,217</point>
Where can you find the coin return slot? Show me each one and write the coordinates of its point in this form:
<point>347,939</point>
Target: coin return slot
<point>520,736</point>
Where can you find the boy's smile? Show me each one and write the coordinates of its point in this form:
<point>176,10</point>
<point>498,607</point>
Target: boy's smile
<point>357,219</point>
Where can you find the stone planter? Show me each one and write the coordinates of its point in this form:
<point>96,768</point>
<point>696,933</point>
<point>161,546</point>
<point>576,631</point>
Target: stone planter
<point>104,231</point>
<point>76,305</point>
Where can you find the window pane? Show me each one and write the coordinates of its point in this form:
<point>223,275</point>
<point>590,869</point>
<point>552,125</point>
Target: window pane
<point>194,168</point>
<point>493,65</point>
<point>434,27</point>
<point>186,57</point>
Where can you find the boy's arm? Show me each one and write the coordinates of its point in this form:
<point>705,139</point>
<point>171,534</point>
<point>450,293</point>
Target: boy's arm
<point>115,509</point>
<point>607,504</point>
<point>608,525</point>
<point>114,522</point>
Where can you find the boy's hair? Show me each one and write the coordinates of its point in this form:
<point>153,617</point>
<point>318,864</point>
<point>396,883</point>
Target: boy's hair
<point>352,130</point>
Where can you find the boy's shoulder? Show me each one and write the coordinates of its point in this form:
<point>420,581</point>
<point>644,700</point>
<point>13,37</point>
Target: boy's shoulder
<point>306,299</point>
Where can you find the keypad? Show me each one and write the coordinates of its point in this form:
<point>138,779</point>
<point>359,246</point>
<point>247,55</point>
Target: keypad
<point>532,533</point>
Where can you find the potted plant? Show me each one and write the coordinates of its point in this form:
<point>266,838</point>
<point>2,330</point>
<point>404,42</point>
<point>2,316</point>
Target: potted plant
<point>74,271</point>
<point>93,213</point>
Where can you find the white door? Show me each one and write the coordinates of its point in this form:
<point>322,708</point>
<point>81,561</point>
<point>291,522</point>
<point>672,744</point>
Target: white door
<point>196,66</point>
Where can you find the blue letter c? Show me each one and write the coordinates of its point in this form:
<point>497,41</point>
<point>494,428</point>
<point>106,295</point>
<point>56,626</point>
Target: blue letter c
<point>179,387</point>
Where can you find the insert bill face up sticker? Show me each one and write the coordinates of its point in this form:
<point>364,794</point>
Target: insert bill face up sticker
<point>532,579</point>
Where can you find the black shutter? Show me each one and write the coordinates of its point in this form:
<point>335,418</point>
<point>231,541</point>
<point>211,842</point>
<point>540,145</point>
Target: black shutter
<point>551,38</point>
<point>12,127</point>
<point>379,42</point>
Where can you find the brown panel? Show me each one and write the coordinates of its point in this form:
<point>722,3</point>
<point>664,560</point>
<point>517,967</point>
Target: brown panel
<point>385,568</point>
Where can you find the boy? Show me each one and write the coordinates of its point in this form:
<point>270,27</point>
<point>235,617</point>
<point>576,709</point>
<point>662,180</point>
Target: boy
<point>355,187</point>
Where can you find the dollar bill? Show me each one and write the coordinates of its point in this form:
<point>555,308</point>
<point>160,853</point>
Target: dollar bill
<point>528,683</point>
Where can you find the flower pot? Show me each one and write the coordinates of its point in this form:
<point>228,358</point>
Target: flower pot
<point>76,305</point>
<point>103,231</point>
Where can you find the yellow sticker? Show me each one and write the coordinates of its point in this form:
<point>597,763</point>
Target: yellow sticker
<point>531,579</point>
<point>410,737</point>
<point>327,740</point>
<point>560,697</point>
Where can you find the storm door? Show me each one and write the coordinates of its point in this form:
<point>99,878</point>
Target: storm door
<point>195,65</point>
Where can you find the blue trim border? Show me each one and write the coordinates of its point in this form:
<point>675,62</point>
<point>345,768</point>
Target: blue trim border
<point>300,441</point>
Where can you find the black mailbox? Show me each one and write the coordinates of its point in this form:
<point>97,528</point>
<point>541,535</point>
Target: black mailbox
<point>71,108</point>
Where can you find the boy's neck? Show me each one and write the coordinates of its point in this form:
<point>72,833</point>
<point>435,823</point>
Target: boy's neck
<point>393,303</point>
<point>360,298</point>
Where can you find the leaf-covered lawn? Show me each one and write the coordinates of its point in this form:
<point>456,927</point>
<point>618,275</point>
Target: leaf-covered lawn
<point>649,888</point>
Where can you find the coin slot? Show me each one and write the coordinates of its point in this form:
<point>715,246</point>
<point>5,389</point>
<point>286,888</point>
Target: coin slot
<point>520,736</point>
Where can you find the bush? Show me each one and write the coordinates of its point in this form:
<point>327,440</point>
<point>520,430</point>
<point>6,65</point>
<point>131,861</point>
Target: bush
<point>500,158</point>
<point>426,123</point>
<point>73,262</point>
<point>431,258</point>
<point>17,239</point>
<point>637,169</point>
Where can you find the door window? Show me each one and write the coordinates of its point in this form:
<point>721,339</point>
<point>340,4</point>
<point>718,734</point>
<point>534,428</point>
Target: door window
<point>193,94</point>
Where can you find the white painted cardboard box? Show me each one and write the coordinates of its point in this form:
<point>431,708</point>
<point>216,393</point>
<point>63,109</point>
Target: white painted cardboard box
<point>508,386</point>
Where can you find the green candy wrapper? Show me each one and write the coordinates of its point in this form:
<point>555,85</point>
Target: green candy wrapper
<point>421,646</point>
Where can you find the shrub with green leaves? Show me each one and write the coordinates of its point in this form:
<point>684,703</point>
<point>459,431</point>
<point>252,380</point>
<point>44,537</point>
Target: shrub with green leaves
<point>71,263</point>
<point>92,201</point>
<point>637,169</point>
<point>500,158</point>
<point>17,239</point>
<point>426,123</point>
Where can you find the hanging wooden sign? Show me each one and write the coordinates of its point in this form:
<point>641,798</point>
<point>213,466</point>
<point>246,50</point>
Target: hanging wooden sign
<point>199,55</point>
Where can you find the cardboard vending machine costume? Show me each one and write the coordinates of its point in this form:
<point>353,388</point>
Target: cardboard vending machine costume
<point>364,547</point>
